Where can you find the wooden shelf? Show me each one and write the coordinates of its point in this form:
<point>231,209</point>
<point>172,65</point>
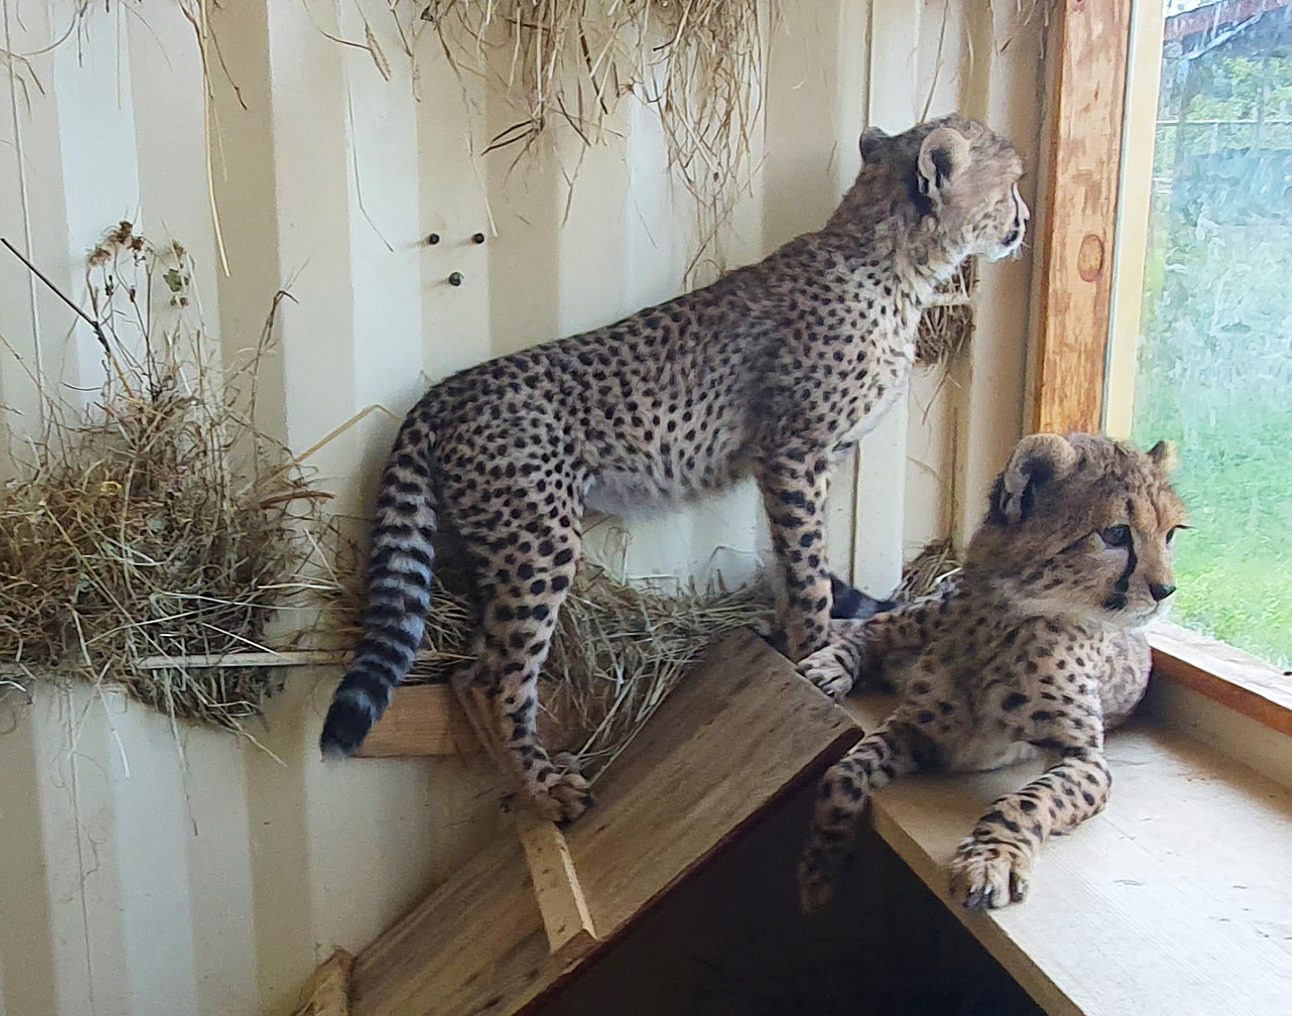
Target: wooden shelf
<point>1175,900</point>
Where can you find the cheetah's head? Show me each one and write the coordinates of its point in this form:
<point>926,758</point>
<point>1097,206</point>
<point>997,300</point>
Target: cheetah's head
<point>953,177</point>
<point>1081,527</point>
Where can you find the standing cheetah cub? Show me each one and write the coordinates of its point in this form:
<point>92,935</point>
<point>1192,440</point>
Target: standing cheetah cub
<point>769,372</point>
<point>1036,646</point>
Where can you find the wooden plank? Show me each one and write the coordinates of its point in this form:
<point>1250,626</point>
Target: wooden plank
<point>328,990</point>
<point>1235,679</point>
<point>428,720</point>
<point>1079,214</point>
<point>557,890</point>
<point>738,734</point>
<point>422,719</point>
<point>1173,900</point>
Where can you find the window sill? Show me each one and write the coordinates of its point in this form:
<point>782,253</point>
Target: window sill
<point>1173,900</point>
<point>1229,676</point>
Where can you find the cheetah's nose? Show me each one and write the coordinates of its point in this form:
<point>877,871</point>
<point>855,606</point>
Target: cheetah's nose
<point>1160,590</point>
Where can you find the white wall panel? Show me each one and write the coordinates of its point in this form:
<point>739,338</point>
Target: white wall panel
<point>146,870</point>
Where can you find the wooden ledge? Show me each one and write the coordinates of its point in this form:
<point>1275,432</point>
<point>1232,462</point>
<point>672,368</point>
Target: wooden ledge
<point>1176,899</point>
<point>1237,680</point>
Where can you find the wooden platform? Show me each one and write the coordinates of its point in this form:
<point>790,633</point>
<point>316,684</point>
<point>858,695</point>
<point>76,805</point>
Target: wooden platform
<point>1176,899</point>
<point>740,733</point>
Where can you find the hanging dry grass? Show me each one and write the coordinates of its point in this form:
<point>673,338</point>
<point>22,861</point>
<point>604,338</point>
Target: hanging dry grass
<point>158,523</point>
<point>927,571</point>
<point>699,64</point>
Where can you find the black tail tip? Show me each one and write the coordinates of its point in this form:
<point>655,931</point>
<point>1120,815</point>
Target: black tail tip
<point>852,603</point>
<point>346,726</point>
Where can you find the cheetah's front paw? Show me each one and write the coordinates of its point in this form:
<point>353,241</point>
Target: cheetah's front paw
<point>829,670</point>
<point>564,794</point>
<point>988,876</point>
<point>816,888</point>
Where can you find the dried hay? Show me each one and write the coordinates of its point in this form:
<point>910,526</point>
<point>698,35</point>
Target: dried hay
<point>159,522</point>
<point>699,64</point>
<point>619,648</point>
<point>947,325</point>
<point>926,573</point>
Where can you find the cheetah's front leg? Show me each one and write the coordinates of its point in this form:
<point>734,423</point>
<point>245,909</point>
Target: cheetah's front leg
<point>855,647</point>
<point>993,866</point>
<point>895,749</point>
<point>793,483</point>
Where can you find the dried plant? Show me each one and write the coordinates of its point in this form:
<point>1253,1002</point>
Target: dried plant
<point>158,524</point>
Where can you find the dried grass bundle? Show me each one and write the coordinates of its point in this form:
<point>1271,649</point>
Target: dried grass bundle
<point>158,523</point>
<point>618,649</point>
<point>947,325</point>
<point>927,571</point>
<point>699,64</point>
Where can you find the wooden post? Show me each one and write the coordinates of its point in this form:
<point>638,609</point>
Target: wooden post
<point>1079,215</point>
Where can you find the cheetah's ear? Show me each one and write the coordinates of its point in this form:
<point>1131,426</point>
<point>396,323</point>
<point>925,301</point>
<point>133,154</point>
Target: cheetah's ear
<point>1037,460</point>
<point>943,155</point>
<point>871,139</point>
<point>1165,456</point>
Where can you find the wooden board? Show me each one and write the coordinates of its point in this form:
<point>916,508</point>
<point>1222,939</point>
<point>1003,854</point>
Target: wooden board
<point>328,990</point>
<point>739,733</point>
<point>1237,680</point>
<point>422,719</point>
<point>426,720</point>
<point>1076,226</point>
<point>557,888</point>
<point>1175,900</point>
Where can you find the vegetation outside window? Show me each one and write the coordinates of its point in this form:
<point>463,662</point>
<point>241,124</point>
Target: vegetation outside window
<point>1213,360</point>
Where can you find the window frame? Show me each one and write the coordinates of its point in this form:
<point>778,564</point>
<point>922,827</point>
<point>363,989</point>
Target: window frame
<point>1088,286</point>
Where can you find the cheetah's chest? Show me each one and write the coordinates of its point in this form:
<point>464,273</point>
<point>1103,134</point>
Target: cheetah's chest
<point>870,402</point>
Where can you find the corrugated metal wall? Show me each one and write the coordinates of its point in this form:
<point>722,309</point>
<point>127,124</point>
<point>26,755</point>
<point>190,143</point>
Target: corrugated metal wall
<point>143,872</point>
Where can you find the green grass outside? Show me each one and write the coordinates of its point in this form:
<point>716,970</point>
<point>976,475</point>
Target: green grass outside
<point>1215,375</point>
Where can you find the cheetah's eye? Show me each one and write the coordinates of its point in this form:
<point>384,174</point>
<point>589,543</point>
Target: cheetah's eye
<point>1116,536</point>
<point>1171,534</point>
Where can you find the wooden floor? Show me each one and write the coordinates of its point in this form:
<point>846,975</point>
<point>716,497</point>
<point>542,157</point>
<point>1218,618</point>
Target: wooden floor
<point>1176,900</point>
<point>741,733</point>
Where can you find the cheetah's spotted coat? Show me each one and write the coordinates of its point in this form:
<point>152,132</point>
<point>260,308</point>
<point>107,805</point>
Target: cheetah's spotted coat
<point>770,371</point>
<point>1036,646</point>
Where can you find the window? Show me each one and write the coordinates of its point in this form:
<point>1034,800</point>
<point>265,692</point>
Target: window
<point>1203,324</point>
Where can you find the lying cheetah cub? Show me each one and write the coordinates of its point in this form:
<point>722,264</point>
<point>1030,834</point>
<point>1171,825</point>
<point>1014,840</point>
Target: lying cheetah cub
<point>1036,646</point>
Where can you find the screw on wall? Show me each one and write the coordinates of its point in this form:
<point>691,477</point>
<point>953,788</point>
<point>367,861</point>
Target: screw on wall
<point>455,279</point>
<point>477,238</point>
<point>433,239</point>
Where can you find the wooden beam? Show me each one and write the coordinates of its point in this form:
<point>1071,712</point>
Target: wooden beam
<point>1078,220</point>
<point>327,993</point>
<point>1143,75</point>
<point>559,895</point>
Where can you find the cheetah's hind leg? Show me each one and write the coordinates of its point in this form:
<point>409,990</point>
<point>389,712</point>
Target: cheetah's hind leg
<point>524,578</point>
